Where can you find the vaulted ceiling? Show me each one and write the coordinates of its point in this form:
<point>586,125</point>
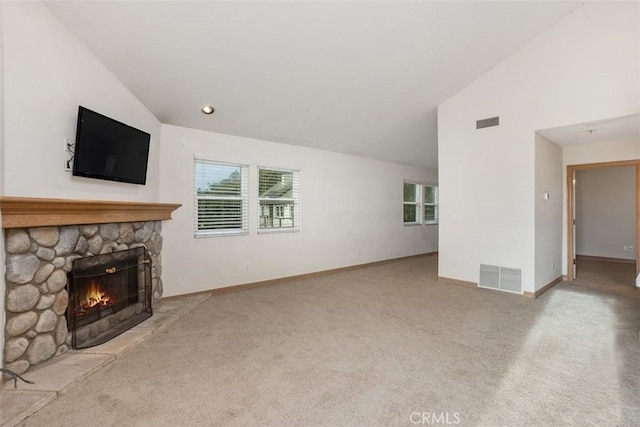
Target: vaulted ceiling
<point>358,77</point>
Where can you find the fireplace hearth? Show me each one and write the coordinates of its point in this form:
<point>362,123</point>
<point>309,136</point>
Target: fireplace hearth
<point>108,294</point>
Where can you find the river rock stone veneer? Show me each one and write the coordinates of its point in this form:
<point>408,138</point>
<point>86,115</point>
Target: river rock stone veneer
<point>37,262</point>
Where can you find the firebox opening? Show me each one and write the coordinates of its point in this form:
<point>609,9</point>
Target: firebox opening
<point>108,294</point>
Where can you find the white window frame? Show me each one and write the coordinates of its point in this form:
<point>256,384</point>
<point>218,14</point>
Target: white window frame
<point>243,198</point>
<point>417,204</point>
<point>294,199</point>
<point>434,204</point>
<point>421,203</point>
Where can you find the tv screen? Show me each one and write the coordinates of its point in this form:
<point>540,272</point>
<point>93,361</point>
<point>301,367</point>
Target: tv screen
<point>108,149</point>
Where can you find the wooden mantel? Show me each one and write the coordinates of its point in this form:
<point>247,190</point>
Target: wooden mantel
<point>19,212</point>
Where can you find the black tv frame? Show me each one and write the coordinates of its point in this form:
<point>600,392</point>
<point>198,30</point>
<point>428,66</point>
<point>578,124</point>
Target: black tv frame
<point>143,137</point>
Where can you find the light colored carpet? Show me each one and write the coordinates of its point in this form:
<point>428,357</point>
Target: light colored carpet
<point>372,347</point>
<point>608,277</point>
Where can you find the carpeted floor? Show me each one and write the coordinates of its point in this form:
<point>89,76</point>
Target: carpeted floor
<point>385,345</point>
<point>607,277</point>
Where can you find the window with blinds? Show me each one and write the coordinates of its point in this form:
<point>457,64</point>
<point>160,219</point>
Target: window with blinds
<point>419,203</point>
<point>221,202</point>
<point>278,199</point>
<point>411,201</point>
<point>430,204</point>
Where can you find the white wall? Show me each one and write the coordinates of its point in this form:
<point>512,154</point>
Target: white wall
<point>2,254</point>
<point>548,218</point>
<point>2,155</point>
<point>599,153</point>
<point>351,213</point>
<point>585,154</point>
<point>582,69</point>
<point>606,212</point>
<point>47,74</point>
<point>3,289</point>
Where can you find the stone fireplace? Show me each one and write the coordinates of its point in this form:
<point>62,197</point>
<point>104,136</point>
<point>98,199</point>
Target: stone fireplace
<point>44,239</point>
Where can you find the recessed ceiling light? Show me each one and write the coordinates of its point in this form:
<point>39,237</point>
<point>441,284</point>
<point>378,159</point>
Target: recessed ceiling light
<point>208,109</point>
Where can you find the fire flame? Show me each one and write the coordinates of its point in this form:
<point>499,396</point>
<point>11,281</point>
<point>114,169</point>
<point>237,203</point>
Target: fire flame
<point>96,296</point>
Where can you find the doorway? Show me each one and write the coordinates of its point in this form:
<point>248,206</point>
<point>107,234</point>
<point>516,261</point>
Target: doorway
<point>571,210</point>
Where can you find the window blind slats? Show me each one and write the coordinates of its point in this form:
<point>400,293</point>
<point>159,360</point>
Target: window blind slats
<point>221,197</point>
<point>278,199</point>
<point>409,192</point>
<point>419,203</point>
<point>410,203</point>
<point>430,204</point>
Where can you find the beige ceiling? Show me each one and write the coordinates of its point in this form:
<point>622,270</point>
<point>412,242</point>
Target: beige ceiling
<point>358,77</point>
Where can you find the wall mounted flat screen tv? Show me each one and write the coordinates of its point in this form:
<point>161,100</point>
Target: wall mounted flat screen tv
<point>108,149</point>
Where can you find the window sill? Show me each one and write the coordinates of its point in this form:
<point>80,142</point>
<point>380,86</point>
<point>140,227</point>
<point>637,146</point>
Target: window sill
<point>199,234</point>
<point>278,230</point>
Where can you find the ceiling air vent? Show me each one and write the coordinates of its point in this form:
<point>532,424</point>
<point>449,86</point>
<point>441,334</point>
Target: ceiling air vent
<point>487,123</point>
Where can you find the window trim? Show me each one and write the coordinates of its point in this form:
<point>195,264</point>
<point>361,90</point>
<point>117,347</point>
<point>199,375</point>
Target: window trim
<point>421,203</point>
<point>244,198</point>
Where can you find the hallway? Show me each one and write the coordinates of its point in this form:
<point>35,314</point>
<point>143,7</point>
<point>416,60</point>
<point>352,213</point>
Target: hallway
<point>607,276</point>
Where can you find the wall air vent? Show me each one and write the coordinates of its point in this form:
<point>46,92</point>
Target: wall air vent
<point>487,123</point>
<point>489,276</point>
<point>500,278</point>
<point>511,279</point>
